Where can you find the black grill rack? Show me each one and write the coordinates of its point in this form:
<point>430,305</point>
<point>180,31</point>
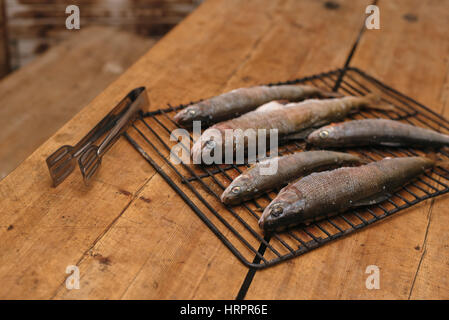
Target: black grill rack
<point>201,186</point>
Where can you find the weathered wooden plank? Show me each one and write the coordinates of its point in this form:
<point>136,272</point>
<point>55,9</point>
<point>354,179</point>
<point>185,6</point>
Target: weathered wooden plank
<point>408,54</point>
<point>409,51</point>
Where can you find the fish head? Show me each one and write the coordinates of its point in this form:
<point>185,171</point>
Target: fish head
<point>208,146</point>
<point>321,136</point>
<point>186,116</point>
<point>239,190</point>
<point>285,210</point>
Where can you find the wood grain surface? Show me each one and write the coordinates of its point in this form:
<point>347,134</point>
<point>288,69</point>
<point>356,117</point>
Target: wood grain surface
<point>134,238</point>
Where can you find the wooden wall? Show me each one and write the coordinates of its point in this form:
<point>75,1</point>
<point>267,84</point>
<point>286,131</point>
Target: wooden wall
<point>4,57</point>
<point>35,25</point>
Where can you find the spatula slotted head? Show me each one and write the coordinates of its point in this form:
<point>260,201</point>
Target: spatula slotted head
<point>89,162</point>
<point>60,164</point>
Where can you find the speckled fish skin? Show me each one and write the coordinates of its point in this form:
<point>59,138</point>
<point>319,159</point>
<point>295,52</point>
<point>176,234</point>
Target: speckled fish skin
<point>286,119</point>
<point>330,192</point>
<point>375,132</point>
<point>242,100</point>
<point>251,183</point>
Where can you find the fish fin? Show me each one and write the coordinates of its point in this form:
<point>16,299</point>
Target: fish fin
<point>378,198</point>
<point>295,104</point>
<point>374,101</point>
<point>308,222</point>
<point>270,106</point>
<point>303,134</point>
<point>391,144</point>
<point>296,136</point>
<point>363,160</point>
<point>433,156</point>
<point>438,162</point>
<point>442,164</point>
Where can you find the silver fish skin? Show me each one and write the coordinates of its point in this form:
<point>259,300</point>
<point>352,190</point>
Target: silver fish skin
<point>242,100</point>
<point>375,132</point>
<point>286,119</point>
<point>252,183</point>
<point>329,192</point>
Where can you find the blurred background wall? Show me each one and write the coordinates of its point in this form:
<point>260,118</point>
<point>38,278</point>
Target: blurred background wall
<point>4,53</point>
<point>30,27</point>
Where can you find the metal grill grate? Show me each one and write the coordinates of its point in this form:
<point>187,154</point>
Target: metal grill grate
<point>201,186</point>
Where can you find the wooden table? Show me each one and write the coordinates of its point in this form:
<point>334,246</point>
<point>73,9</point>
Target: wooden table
<point>132,237</point>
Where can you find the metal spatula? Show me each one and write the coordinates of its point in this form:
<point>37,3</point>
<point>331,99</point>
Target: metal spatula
<point>90,159</point>
<point>62,162</point>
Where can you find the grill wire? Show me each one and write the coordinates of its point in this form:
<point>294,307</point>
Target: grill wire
<point>236,226</point>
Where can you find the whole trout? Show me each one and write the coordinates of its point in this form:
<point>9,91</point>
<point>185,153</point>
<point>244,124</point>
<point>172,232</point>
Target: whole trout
<point>329,192</point>
<point>289,167</point>
<point>292,118</point>
<point>242,100</point>
<point>375,132</point>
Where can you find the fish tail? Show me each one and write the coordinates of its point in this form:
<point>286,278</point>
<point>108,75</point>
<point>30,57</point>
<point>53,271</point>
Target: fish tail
<point>442,164</point>
<point>433,156</point>
<point>374,101</point>
<point>437,161</point>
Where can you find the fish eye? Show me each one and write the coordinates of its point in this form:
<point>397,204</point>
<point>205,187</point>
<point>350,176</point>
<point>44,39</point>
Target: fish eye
<point>324,134</point>
<point>277,211</point>
<point>192,112</point>
<point>236,189</point>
